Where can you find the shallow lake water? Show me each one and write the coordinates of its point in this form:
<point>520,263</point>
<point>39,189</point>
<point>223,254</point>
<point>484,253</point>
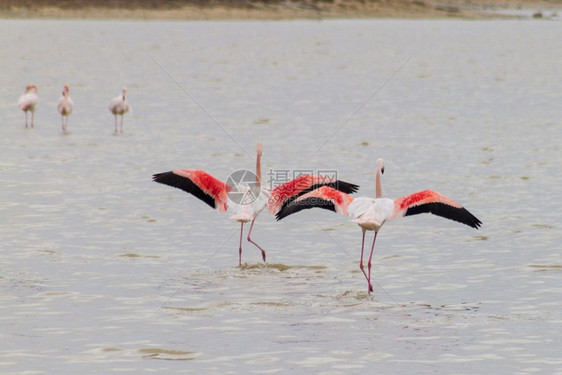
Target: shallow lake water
<point>103,271</point>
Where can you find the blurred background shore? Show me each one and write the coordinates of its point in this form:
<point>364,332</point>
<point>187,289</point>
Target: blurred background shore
<point>272,9</point>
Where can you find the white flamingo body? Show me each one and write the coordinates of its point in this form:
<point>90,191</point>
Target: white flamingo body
<point>215,193</point>
<point>244,213</point>
<point>65,107</point>
<point>372,213</point>
<point>119,106</point>
<point>28,102</point>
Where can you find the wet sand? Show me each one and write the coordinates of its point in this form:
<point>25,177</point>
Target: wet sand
<point>260,10</point>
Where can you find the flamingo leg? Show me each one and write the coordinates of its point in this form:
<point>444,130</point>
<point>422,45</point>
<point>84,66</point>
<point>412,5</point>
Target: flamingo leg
<point>115,124</point>
<point>25,118</point>
<point>240,249</point>
<point>250,240</point>
<point>32,125</point>
<point>369,263</point>
<point>121,124</point>
<point>361,262</point>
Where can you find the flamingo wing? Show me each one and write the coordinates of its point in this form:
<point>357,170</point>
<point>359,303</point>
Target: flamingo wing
<point>199,183</point>
<point>429,201</point>
<point>65,106</point>
<point>60,105</point>
<point>359,206</point>
<point>27,101</point>
<point>284,194</point>
<point>119,106</point>
<point>23,103</point>
<point>324,197</point>
<point>113,105</point>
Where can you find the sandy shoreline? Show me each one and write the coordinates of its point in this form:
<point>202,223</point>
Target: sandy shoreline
<point>415,9</point>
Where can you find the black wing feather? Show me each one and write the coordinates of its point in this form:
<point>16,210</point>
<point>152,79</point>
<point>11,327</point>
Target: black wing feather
<point>344,187</point>
<point>303,205</point>
<point>185,184</point>
<point>462,215</point>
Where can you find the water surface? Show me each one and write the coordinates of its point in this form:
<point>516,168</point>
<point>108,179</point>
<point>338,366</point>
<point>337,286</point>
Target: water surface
<point>104,271</point>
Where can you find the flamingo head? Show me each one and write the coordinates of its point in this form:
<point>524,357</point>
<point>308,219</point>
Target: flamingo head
<point>65,90</point>
<point>380,165</point>
<point>124,91</point>
<point>29,88</point>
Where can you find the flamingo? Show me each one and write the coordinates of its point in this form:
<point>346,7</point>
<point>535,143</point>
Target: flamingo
<point>28,102</point>
<point>65,107</point>
<point>119,106</point>
<point>371,213</point>
<point>216,193</point>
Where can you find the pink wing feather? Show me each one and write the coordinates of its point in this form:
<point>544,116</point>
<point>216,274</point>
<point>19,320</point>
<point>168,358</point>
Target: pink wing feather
<point>323,197</point>
<point>304,184</point>
<point>429,201</point>
<point>199,183</point>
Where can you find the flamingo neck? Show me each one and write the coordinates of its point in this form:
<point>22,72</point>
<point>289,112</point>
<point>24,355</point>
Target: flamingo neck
<point>258,170</point>
<point>378,185</point>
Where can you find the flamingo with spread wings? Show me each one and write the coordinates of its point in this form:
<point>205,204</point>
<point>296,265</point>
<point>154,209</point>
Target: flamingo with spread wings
<point>371,213</point>
<point>216,193</point>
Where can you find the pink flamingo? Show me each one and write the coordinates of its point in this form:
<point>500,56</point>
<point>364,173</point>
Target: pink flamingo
<point>65,107</point>
<point>216,193</point>
<point>28,102</point>
<point>119,106</point>
<point>372,213</point>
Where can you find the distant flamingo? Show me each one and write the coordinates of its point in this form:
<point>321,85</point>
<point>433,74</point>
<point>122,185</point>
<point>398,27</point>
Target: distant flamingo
<point>216,193</point>
<point>28,102</point>
<point>119,106</point>
<point>65,107</point>
<point>371,214</point>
